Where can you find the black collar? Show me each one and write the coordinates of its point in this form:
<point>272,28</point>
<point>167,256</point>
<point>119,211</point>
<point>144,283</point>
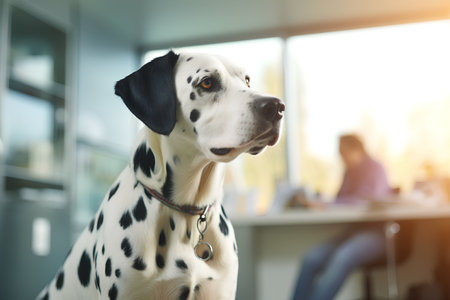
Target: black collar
<point>187,209</point>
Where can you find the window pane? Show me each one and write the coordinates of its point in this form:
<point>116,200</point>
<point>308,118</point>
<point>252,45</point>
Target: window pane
<point>390,85</point>
<point>36,91</point>
<point>252,178</point>
<point>30,138</point>
<point>37,55</point>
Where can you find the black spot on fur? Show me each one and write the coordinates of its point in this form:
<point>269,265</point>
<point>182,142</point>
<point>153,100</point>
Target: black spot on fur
<point>95,259</point>
<point>94,249</point>
<point>118,273</point>
<point>160,261</point>
<point>235,247</point>
<point>197,288</point>
<point>99,220</point>
<point>144,159</point>
<point>113,191</point>
<point>91,225</point>
<point>189,79</point>
<point>181,264</point>
<point>94,254</point>
<point>172,223</point>
<point>126,247</point>
<point>103,249</point>
<point>108,267</point>
<point>60,280</point>
<point>84,269</point>
<point>224,213</point>
<point>192,96</point>
<point>140,211</point>
<point>45,297</point>
<point>195,115</point>
<point>195,131</point>
<point>162,238</point>
<point>167,189</point>
<point>97,283</point>
<point>198,70</point>
<point>184,294</point>
<point>126,220</point>
<point>112,293</point>
<point>139,264</point>
<point>189,58</point>
<point>147,193</point>
<point>188,234</point>
<point>210,278</point>
<point>223,226</point>
<point>136,184</point>
<point>206,71</point>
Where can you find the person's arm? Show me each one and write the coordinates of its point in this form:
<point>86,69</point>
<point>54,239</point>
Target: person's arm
<point>369,184</point>
<point>346,186</point>
<point>350,190</point>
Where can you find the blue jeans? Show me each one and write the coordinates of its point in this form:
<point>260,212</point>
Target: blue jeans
<point>325,267</point>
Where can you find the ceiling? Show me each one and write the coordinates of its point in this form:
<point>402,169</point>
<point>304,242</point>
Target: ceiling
<point>165,23</point>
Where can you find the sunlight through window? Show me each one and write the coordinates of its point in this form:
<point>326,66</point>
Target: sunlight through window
<point>391,85</point>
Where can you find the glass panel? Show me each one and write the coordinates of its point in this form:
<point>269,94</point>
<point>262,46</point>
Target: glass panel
<point>34,108</point>
<point>390,85</point>
<point>30,135</point>
<point>263,61</point>
<point>37,54</point>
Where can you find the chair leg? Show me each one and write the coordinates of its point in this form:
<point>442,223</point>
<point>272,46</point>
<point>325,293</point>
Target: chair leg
<point>391,230</point>
<point>368,293</point>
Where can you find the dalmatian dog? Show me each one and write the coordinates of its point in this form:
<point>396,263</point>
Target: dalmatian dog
<point>161,232</point>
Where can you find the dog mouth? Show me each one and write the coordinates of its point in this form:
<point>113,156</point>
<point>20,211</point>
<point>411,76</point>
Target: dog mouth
<point>221,151</point>
<point>268,137</point>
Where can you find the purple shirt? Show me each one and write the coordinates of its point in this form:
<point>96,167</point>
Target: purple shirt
<point>366,180</point>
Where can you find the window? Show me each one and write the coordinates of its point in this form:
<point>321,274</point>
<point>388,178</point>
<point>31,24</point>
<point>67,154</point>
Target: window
<point>390,85</point>
<point>262,59</point>
<point>35,102</point>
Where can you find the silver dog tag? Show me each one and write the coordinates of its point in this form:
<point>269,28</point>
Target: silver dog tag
<point>203,250</point>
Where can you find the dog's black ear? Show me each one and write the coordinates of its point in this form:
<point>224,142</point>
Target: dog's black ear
<point>150,95</point>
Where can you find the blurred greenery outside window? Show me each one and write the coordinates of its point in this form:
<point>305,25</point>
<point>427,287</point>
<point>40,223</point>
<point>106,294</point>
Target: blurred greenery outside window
<point>390,85</point>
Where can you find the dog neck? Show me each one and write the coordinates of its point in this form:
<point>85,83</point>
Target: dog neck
<point>178,171</point>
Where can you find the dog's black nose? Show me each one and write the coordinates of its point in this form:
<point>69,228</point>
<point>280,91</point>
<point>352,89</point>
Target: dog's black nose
<point>269,108</point>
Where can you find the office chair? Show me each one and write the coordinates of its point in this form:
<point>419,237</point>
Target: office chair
<point>398,249</point>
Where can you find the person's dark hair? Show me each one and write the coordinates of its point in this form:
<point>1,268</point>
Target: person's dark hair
<point>352,141</point>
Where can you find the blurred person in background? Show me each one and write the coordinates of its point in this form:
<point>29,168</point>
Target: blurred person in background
<point>325,267</point>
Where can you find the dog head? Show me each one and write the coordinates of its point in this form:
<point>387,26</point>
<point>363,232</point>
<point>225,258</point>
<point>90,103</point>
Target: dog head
<point>207,98</point>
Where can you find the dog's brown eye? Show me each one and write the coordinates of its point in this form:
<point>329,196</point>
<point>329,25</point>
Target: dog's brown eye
<point>247,80</point>
<point>206,83</point>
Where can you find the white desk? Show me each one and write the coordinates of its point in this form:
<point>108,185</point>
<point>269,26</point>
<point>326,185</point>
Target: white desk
<point>271,246</point>
<point>345,214</point>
